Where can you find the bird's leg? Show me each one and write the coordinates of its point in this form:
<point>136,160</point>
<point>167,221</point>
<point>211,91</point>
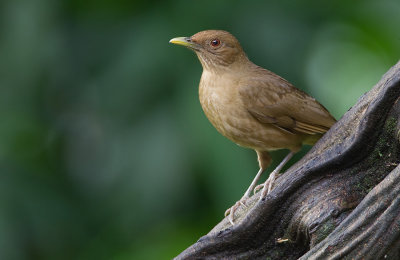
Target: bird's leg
<point>270,181</point>
<point>242,201</point>
<point>253,184</point>
<point>264,160</point>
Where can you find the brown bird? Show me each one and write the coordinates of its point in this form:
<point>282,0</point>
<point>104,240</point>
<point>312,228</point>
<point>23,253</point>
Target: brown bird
<point>252,106</point>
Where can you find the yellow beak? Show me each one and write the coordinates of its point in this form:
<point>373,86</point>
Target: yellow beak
<point>185,41</point>
<point>180,41</point>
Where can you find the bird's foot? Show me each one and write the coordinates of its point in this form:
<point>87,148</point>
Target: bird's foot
<point>266,186</point>
<point>231,210</point>
<point>258,187</point>
<point>261,186</point>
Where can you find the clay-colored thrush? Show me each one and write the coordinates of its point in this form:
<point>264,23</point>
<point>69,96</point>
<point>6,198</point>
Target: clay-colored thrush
<point>252,106</point>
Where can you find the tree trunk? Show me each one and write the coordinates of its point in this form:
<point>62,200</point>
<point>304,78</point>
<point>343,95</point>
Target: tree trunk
<point>340,201</point>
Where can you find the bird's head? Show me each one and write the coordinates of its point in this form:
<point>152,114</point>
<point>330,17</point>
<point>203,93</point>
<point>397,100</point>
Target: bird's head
<point>215,49</point>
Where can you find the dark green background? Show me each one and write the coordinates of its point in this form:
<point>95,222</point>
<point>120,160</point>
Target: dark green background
<point>105,152</point>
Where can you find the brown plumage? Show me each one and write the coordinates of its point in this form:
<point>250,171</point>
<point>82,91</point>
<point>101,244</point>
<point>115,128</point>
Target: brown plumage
<point>252,106</point>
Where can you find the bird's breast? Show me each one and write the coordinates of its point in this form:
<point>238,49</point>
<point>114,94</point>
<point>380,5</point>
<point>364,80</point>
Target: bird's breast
<point>221,103</point>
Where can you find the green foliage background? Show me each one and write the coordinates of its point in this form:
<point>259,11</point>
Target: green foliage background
<point>104,150</point>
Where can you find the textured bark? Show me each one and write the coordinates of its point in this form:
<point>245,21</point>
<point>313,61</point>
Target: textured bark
<point>340,201</point>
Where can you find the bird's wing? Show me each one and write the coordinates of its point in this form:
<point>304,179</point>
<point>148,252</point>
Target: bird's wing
<point>273,100</point>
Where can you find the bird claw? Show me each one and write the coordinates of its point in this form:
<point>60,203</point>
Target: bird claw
<point>267,185</point>
<point>231,210</point>
<point>257,188</point>
<point>228,211</point>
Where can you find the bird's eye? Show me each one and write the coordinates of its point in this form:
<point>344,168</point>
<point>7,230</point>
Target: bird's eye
<point>215,42</point>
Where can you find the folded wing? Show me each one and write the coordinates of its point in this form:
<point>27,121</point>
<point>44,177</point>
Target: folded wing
<point>275,101</point>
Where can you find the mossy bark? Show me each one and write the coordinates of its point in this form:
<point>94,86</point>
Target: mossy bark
<point>340,201</point>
